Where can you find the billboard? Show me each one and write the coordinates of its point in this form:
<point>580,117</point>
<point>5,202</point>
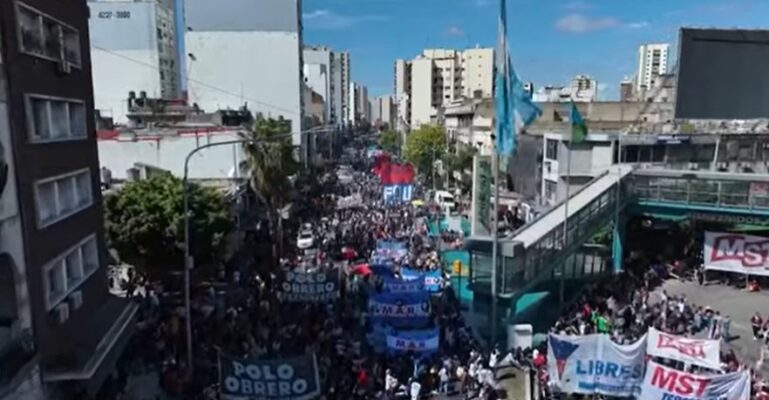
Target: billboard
<point>736,252</point>
<point>722,74</point>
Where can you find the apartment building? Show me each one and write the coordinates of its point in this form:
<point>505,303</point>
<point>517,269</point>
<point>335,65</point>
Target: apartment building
<point>61,331</point>
<point>439,77</point>
<point>133,49</point>
<point>652,61</point>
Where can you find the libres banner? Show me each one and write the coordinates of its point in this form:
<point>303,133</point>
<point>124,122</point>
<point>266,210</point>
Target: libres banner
<point>663,383</point>
<point>593,364</point>
<point>290,378</point>
<point>701,352</point>
<point>425,341</point>
<point>401,310</point>
<point>315,287</point>
<point>736,252</point>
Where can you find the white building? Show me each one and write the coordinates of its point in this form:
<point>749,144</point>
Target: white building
<point>471,122</point>
<point>652,61</point>
<point>341,63</point>
<point>317,79</point>
<point>582,89</point>
<point>353,112</point>
<point>133,48</point>
<point>324,76</point>
<point>438,77</point>
<point>383,111</point>
<point>230,68</point>
<point>167,149</point>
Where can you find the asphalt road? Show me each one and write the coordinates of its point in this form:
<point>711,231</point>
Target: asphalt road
<point>738,304</point>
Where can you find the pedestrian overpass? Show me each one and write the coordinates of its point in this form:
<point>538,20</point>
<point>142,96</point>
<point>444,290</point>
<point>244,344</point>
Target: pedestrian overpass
<point>539,252</point>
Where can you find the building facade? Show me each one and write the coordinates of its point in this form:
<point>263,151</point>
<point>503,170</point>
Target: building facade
<point>341,63</point>
<point>439,77</point>
<point>383,111</point>
<point>582,89</point>
<point>255,61</point>
<point>320,74</point>
<point>471,122</point>
<point>134,49</point>
<point>79,329</point>
<point>652,61</point>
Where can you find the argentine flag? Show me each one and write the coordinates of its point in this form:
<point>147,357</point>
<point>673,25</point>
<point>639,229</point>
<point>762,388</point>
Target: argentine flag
<point>514,108</point>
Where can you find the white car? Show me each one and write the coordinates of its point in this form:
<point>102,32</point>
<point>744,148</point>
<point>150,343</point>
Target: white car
<point>305,239</point>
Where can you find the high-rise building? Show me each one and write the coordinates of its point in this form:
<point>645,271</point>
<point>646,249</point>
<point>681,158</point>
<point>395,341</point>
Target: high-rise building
<point>358,102</point>
<point>438,77</point>
<point>402,89</point>
<point>341,63</point>
<point>58,322</point>
<point>324,76</point>
<point>582,89</point>
<point>383,111</point>
<point>254,61</point>
<point>652,61</point>
<point>133,49</point>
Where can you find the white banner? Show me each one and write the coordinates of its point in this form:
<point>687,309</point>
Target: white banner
<point>593,364</point>
<point>736,252</point>
<point>663,383</point>
<point>355,200</point>
<point>701,352</point>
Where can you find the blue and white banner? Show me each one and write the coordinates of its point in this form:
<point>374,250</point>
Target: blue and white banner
<point>393,250</point>
<point>397,193</point>
<point>424,341</point>
<point>395,285</point>
<point>309,287</point>
<point>401,310</point>
<point>593,364</point>
<point>431,279</point>
<point>289,378</point>
<point>377,338</point>
<point>382,270</point>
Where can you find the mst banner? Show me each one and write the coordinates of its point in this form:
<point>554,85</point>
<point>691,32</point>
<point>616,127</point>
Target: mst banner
<point>315,286</point>
<point>701,352</point>
<point>663,383</point>
<point>736,252</point>
<point>290,378</point>
<point>593,364</point>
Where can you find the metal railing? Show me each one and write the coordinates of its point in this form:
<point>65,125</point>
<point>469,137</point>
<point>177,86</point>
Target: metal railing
<point>693,191</point>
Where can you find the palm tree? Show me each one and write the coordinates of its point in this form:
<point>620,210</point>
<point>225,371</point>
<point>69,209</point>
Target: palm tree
<point>270,163</point>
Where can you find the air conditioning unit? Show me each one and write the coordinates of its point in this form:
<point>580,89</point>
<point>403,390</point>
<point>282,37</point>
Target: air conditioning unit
<point>693,166</point>
<point>75,300</point>
<point>65,67</point>
<point>61,312</point>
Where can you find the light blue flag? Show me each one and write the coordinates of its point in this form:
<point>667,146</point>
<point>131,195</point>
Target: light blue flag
<point>514,108</point>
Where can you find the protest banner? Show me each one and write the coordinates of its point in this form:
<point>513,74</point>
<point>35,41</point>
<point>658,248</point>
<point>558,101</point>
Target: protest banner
<point>309,287</point>
<point>424,342</point>
<point>736,252</point>
<point>290,378</point>
<point>377,338</point>
<point>394,194</point>
<point>593,364</point>
<point>701,352</point>
<point>352,201</point>
<point>395,285</point>
<point>663,383</point>
<point>382,270</point>
<point>431,279</point>
<point>393,250</point>
<point>402,310</point>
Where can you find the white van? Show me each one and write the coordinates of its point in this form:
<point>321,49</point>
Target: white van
<point>445,199</point>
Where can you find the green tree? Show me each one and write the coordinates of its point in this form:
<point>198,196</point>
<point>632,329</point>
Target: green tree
<point>145,224</point>
<point>423,147</point>
<point>461,160</point>
<point>388,140</point>
<point>270,160</point>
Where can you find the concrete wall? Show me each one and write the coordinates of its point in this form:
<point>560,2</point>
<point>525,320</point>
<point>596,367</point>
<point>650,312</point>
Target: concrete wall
<point>244,15</point>
<point>262,69</point>
<point>124,54</point>
<point>421,92</point>
<point>169,153</point>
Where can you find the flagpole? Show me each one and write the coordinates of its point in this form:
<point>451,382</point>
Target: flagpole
<point>494,247</point>
<point>565,221</point>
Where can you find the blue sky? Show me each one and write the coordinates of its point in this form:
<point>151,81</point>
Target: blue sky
<point>550,40</point>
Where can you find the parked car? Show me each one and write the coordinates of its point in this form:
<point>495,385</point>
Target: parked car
<point>305,239</point>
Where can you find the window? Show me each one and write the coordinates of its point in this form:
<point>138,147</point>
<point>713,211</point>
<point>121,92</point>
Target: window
<point>551,149</point>
<point>69,270</point>
<point>550,188</point>
<point>60,197</point>
<point>53,119</point>
<point>43,36</point>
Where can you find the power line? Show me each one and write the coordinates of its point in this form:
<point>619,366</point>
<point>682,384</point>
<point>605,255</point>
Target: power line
<point>207,85</point>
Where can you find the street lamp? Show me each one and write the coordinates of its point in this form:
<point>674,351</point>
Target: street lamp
<point>188,260</point>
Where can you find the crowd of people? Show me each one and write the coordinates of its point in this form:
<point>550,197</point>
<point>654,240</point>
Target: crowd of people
<point>246,318</point>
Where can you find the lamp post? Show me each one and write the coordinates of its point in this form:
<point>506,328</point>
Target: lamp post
<point>188,260</point>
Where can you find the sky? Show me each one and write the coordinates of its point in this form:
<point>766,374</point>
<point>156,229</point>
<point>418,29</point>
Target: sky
<point>550,40</point>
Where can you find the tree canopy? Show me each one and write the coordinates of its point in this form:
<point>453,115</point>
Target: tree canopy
<point>424,146</point>
<point>145,224</point>
<point>388,140</point>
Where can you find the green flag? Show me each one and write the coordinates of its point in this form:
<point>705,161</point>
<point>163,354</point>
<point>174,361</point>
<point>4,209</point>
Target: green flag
<point>578,126</point>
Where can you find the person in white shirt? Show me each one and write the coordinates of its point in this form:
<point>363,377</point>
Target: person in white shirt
<point>391,383</point>
<point>443,374</point>
<point>414,389</point>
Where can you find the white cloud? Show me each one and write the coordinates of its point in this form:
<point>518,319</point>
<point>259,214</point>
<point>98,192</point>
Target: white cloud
<point>578,23</point>
<point>638,25</point>
<point>454,31</point>
<point>602,87</point>
<point>577,5</point>
<point>329,20</point>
